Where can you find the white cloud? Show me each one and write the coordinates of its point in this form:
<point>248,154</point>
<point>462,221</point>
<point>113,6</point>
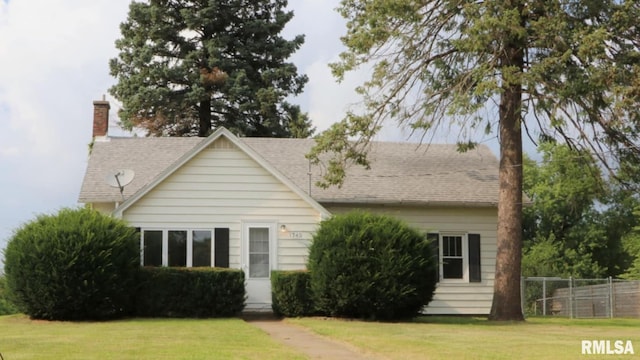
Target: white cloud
<point>328,100</point>
<point>59,52</point>
<point>11,151</point>
<point>54,63</point>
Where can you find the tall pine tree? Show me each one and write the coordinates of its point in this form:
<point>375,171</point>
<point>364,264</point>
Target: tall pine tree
<point>567,69</point>
<point>187,66</point>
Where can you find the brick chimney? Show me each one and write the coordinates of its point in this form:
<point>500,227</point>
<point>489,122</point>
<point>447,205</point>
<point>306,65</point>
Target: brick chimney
<point>100,118</point>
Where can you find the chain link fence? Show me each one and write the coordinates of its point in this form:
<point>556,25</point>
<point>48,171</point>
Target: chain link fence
<point>580,298</point>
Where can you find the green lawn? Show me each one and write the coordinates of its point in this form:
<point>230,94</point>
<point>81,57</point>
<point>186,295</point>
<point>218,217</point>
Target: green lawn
<point>424,338</point>
<point>473,338</point>
<point>21,338</point>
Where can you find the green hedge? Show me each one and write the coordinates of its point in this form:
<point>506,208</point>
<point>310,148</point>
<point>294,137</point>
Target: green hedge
<point>78,264</point>
<point>189,292</point>
<point>291,293</point>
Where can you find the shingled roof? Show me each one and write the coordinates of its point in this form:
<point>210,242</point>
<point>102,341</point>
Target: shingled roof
<point>401,173</point>
<point>146,156</point>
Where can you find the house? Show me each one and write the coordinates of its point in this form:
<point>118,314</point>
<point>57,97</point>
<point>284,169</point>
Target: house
<point>252,203</point>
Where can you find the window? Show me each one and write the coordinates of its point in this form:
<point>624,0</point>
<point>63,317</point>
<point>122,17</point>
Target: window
<point>152,245</point>
<point>452,257</point>
<point>258,252</point>
<point>221,248</point>
<point>185,248</point>
<point>177,248</point>
<point>458,256</point>
<point>201,252</point>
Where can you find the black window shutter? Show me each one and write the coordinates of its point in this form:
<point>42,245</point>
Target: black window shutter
<point>221,247</point>
<point>474,258</point>
<point>434,241</point>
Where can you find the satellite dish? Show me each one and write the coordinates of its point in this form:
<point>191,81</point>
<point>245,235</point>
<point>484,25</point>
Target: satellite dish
<point>119,179</point>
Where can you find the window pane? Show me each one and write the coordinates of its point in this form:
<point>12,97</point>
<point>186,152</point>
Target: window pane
<point>258,240</point>
<point>259,265</point>
<point>177,248</point>
<point>221,247</point>
<point>452,246</point>
<point>201,248</point>
<point>452,268</point>
<point>446,246</point>
<point>152,252</point>
<point>259,252</point>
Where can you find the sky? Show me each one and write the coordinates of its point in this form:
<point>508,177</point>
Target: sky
<point>54,58</point>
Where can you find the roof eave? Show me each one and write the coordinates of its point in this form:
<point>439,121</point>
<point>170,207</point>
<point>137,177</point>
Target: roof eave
<point>100,200</point>
<point>464,204</point>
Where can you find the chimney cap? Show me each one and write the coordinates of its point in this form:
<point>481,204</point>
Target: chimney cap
<point>101,102</point>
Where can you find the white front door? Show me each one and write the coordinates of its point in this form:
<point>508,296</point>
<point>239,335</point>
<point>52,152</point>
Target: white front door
<point>258,260</point>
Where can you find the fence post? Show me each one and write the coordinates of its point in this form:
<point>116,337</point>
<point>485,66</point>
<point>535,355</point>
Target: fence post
<point>571,297</point>
<point>611,302</point>
<point>544,296</point>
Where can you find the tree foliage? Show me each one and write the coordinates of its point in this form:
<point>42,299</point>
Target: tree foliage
<point>565,69</point>
<point>631,244</point>
<point>186,66</point>
<point>576,222</point>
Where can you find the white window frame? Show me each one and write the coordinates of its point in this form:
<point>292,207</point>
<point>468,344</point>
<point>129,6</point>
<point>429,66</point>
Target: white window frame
<point>465,257</point>
<point>165,243</point>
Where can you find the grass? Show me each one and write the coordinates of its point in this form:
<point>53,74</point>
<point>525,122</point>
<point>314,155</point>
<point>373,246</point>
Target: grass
<point>423,338</point>
<point>22,338</point>
<point>474,338</point>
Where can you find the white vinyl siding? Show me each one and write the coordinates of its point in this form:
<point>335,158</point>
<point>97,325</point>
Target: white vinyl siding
<point>106,208</point>
<point>221,187</point>
<point>452,297</point>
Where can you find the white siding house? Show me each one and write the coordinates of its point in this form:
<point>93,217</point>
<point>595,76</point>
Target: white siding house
<point>453,296</point>
<point>252,204</point>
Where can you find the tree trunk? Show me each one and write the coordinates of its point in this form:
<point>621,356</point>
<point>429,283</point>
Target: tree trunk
<point>204,115</point>
<point>506,291</point>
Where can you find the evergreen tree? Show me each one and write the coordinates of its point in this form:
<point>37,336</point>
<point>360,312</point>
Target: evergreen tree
<point>554,68</point>
<point>187,66</point>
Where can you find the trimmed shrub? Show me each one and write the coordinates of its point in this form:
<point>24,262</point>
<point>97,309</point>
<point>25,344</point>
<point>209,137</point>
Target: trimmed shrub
<point>291,293</point>
<point>190,292</point>
<point>6,306</point>
<point>371,267</point>
<point>76,265</point>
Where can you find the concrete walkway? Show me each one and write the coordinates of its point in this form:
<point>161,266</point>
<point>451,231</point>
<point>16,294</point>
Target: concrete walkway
<point>305,341</point>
